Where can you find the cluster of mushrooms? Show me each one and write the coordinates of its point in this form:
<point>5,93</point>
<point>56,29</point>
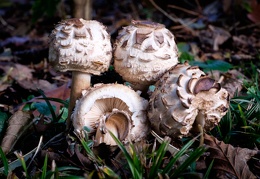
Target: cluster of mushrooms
<point>144,54</point>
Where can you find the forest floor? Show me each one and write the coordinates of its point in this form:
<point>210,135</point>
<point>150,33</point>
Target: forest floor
<point>221,37</point>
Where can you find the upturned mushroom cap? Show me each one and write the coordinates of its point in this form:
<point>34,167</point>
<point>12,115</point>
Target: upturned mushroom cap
<point>183,98</point>
<point>143,51</point>
<point>80,45</point>
<point>113,107</point>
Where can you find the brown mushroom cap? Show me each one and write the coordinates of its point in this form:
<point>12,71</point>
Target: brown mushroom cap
<point>80,45</point>
<point>185,96</point>
<point>113,107</point>
<point>143,52</point>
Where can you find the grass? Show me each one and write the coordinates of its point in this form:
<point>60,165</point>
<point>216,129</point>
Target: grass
<point>239,127</point>
<point>153,160</point>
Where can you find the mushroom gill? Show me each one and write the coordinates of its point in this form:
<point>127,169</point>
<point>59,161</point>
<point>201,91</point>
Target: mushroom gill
<point>112,107</point>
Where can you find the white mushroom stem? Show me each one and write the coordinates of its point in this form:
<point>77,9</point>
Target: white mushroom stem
<point>80,81</point>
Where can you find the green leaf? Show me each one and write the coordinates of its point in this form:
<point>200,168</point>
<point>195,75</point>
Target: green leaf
<point>5,162</point>
<point>3,122</point>
<point>186,56</point>
<point>212,65</point>
<point>183,47</point>
<point>51,108</point>
<point>43,108</point>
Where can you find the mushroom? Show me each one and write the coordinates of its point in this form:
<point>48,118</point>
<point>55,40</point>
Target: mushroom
<point>82,47</point>
<point>185,98</point>
<point>113,107</point>
<point>143,51</point>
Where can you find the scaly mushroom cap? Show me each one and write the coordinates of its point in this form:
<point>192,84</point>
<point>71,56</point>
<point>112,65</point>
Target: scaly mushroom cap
<point>80,45</point>
<point>113,107</point>
<point>143,52</point>
<point>183,98</point>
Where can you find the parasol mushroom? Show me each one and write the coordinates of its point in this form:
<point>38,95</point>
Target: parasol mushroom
<point>185,98</point>
<point>113,107</point>
<point>82,47</point>
<point>143,51</point>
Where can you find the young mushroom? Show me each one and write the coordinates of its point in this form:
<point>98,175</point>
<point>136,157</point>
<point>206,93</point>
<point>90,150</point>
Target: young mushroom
<point>82,47</point>
<point>113,107</point>
<point>185,98</point>
<point>143,51</point>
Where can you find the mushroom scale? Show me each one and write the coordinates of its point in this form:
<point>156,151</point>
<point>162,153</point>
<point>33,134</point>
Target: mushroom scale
<point>143,51</point>
<point>113,107</point>
<point>185,97</point>
<point>80,45</point>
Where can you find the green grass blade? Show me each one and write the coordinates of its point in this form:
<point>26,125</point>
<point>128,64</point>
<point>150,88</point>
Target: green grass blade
<point>136,158</point>
<point>178,155</point>
<point>242,115</point>
<point>64,102</point>
<point>135,171</point>
<point>109,172</point>
<point>192,158</point>
<point>21,158</point>
<point>44,168</point>
<point>90,153</point>
<point>5,162</point>
<point>158,159</point>
<point>206,176</point>
<point>49,105</point>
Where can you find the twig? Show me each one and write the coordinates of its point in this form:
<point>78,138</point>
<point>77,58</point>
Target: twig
<point>184,10</point>
<point>135,11</point>
<point>221,79</point>
<point>174,19</point>
<point>248,26</point>
<point>199,6</point>
<point>6,24</point>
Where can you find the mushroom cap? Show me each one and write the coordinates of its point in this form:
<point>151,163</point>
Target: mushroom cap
<point>143,51</point>
<point>185,96</point>
<point>102,101</point>
<point>80,45</point>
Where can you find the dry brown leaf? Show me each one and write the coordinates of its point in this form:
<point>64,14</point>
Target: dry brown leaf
<point>17,124</point>
<point>20,72</point>
<point>255,14</point>
<point>229,161</point>
<point>4,86</point>
<point>214,36</point>
<point>233,82</point>
<point>37,84</point>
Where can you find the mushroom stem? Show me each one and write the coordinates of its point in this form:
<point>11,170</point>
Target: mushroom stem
<point>80,82</point>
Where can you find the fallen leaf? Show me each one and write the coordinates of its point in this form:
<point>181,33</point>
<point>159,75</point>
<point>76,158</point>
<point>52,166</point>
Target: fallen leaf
<point>17,125</point>
<point>18,72</point>
<point>37,84</point>
<point>229,161</point>
<point>233,82</point>
<point>254,16</point>
<point>214,36</point>
<point>4,86</point>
